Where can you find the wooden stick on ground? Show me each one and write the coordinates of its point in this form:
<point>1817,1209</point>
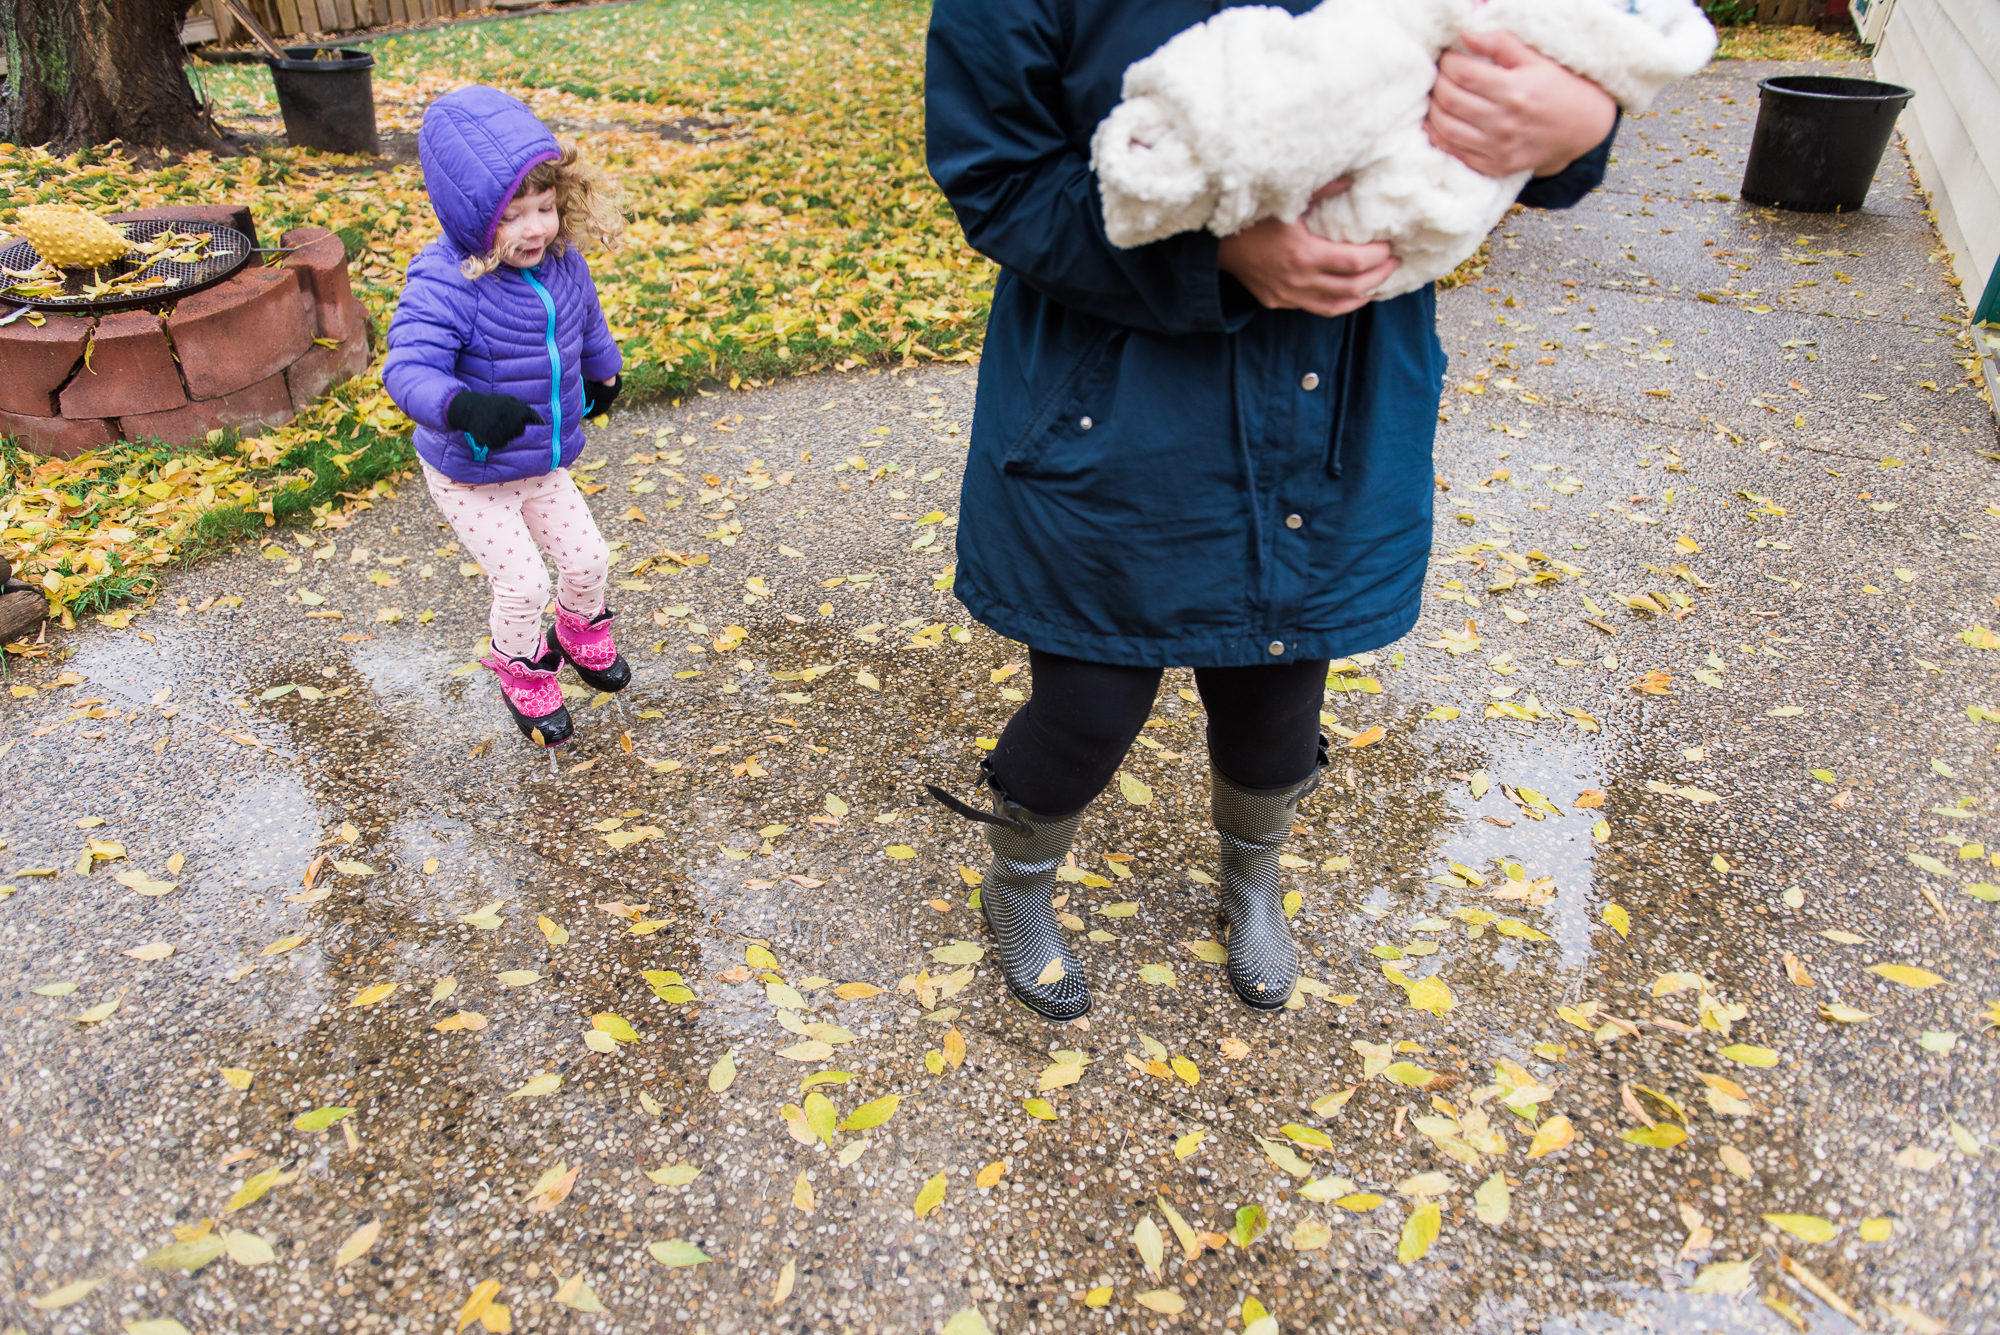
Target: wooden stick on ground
<point>241,14</point>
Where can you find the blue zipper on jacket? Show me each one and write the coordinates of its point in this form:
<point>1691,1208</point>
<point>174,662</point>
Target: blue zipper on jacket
<point>555,371</point>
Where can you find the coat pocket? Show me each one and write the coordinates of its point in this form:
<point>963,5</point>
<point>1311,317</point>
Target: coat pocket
<point>1064,413</point>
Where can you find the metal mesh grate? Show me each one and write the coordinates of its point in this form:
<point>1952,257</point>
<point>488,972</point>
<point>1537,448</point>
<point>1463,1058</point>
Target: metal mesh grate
<point>227,251</point>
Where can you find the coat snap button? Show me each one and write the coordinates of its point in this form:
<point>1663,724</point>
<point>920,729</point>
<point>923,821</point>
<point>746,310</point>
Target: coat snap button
<point>1295,521</point>
<point>1277,648</point>
<point>1084,422</point>
<point>1310,382</point>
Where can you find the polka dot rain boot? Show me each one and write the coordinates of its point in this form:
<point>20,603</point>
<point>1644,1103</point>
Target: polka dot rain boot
<point>1254,825</point>
<point>1032,947</point>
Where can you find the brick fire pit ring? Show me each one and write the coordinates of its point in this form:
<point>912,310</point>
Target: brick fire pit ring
<point>246,354</point>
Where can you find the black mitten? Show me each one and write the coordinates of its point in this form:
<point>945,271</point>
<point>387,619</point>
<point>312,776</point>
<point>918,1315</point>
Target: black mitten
<point>599,395</point>
<point>490,419</point>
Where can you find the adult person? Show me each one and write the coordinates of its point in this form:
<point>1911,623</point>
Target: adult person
<point>1201,453</point>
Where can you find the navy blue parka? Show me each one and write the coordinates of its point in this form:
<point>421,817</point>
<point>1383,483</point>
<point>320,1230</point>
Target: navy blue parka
<point>1163,472</point>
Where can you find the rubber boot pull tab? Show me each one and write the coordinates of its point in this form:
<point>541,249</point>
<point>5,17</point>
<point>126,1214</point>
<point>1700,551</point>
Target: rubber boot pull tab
<point>974,813</point>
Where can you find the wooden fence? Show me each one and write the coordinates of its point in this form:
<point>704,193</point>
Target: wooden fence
<point>1795,11</point>
<point>297,18</point>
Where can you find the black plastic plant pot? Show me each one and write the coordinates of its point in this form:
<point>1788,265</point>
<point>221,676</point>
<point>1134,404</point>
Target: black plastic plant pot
<point>1819,140</point>
<point>328,104</point>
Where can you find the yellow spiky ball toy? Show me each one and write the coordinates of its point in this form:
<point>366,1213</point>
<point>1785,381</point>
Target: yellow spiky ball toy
<point>69,237</point>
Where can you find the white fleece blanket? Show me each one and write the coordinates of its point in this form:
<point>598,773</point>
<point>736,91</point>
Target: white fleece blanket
<point>1243,117</point>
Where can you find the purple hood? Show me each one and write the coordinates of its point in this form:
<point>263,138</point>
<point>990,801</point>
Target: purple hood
<point>477,145</point>
<point>535,334</point>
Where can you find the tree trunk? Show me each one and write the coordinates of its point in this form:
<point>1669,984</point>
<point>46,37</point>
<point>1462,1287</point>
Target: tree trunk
<point>82,72</point>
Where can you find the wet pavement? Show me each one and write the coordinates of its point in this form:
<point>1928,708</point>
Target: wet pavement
<point>1685,437</point>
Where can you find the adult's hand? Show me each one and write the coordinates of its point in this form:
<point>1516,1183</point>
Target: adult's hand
<point>1501,107</point>
<point>1285,267</point>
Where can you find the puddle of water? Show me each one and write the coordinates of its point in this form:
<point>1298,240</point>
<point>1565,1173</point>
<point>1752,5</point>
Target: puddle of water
<point>125,665</point>
<point>1562,848</point>
<point>259,833</point>
<point>400,673</point>
<point>1682,1313</point>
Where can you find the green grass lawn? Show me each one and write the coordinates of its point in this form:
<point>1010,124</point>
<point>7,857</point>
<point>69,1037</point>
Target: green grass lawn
<point>784,223</point>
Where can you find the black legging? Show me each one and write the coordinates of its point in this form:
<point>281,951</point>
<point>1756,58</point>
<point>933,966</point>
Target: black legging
<point>1063,746</point>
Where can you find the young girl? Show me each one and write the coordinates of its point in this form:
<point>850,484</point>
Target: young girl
<point>499,351</point>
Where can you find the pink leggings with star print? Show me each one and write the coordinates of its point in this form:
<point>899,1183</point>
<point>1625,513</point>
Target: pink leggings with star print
<point>502,524</point>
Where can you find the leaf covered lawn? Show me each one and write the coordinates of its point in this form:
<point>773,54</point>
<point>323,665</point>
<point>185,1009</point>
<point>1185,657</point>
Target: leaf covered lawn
<point>771,156</point>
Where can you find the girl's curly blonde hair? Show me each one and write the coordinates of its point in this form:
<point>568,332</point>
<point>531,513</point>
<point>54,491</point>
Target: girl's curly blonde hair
<point>586,202</point>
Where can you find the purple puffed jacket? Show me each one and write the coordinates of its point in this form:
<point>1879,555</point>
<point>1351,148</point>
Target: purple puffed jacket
<point>536,334</point>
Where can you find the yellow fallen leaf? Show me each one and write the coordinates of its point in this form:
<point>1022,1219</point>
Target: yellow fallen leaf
<point>616,1026</point>
<point>1552,1135</point>
<point>991,1174</point>
<point>1188,1144</point>
<point>1310,1136</point>
<point>1749,1055</point>
<point>1915,1319</point>
<point>1918,1158</point>
<point>368,996</point>
<point>1430,994</point>
<point>1810,1227</point>
<point>1618,919</point>
<point>1906,974</point>
<point>929,1197</point>
<point>1135,791</point>
<point>1058,1076</point>
<point>65,1296</point>
<point>157,950</point>
<point>236,1077</point>
<point>673,1174</point>
<point>1723,1277</point>
<point>1420,1230</point>
<point>1146,1240</point>
<point>545,1083</point>
<point>1308,1235</point>
<point>476,1305</point>
<point>1164,1301</point>
<point>358,1242</point>
<point>575,1294</point>
<point>812,1050</point>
